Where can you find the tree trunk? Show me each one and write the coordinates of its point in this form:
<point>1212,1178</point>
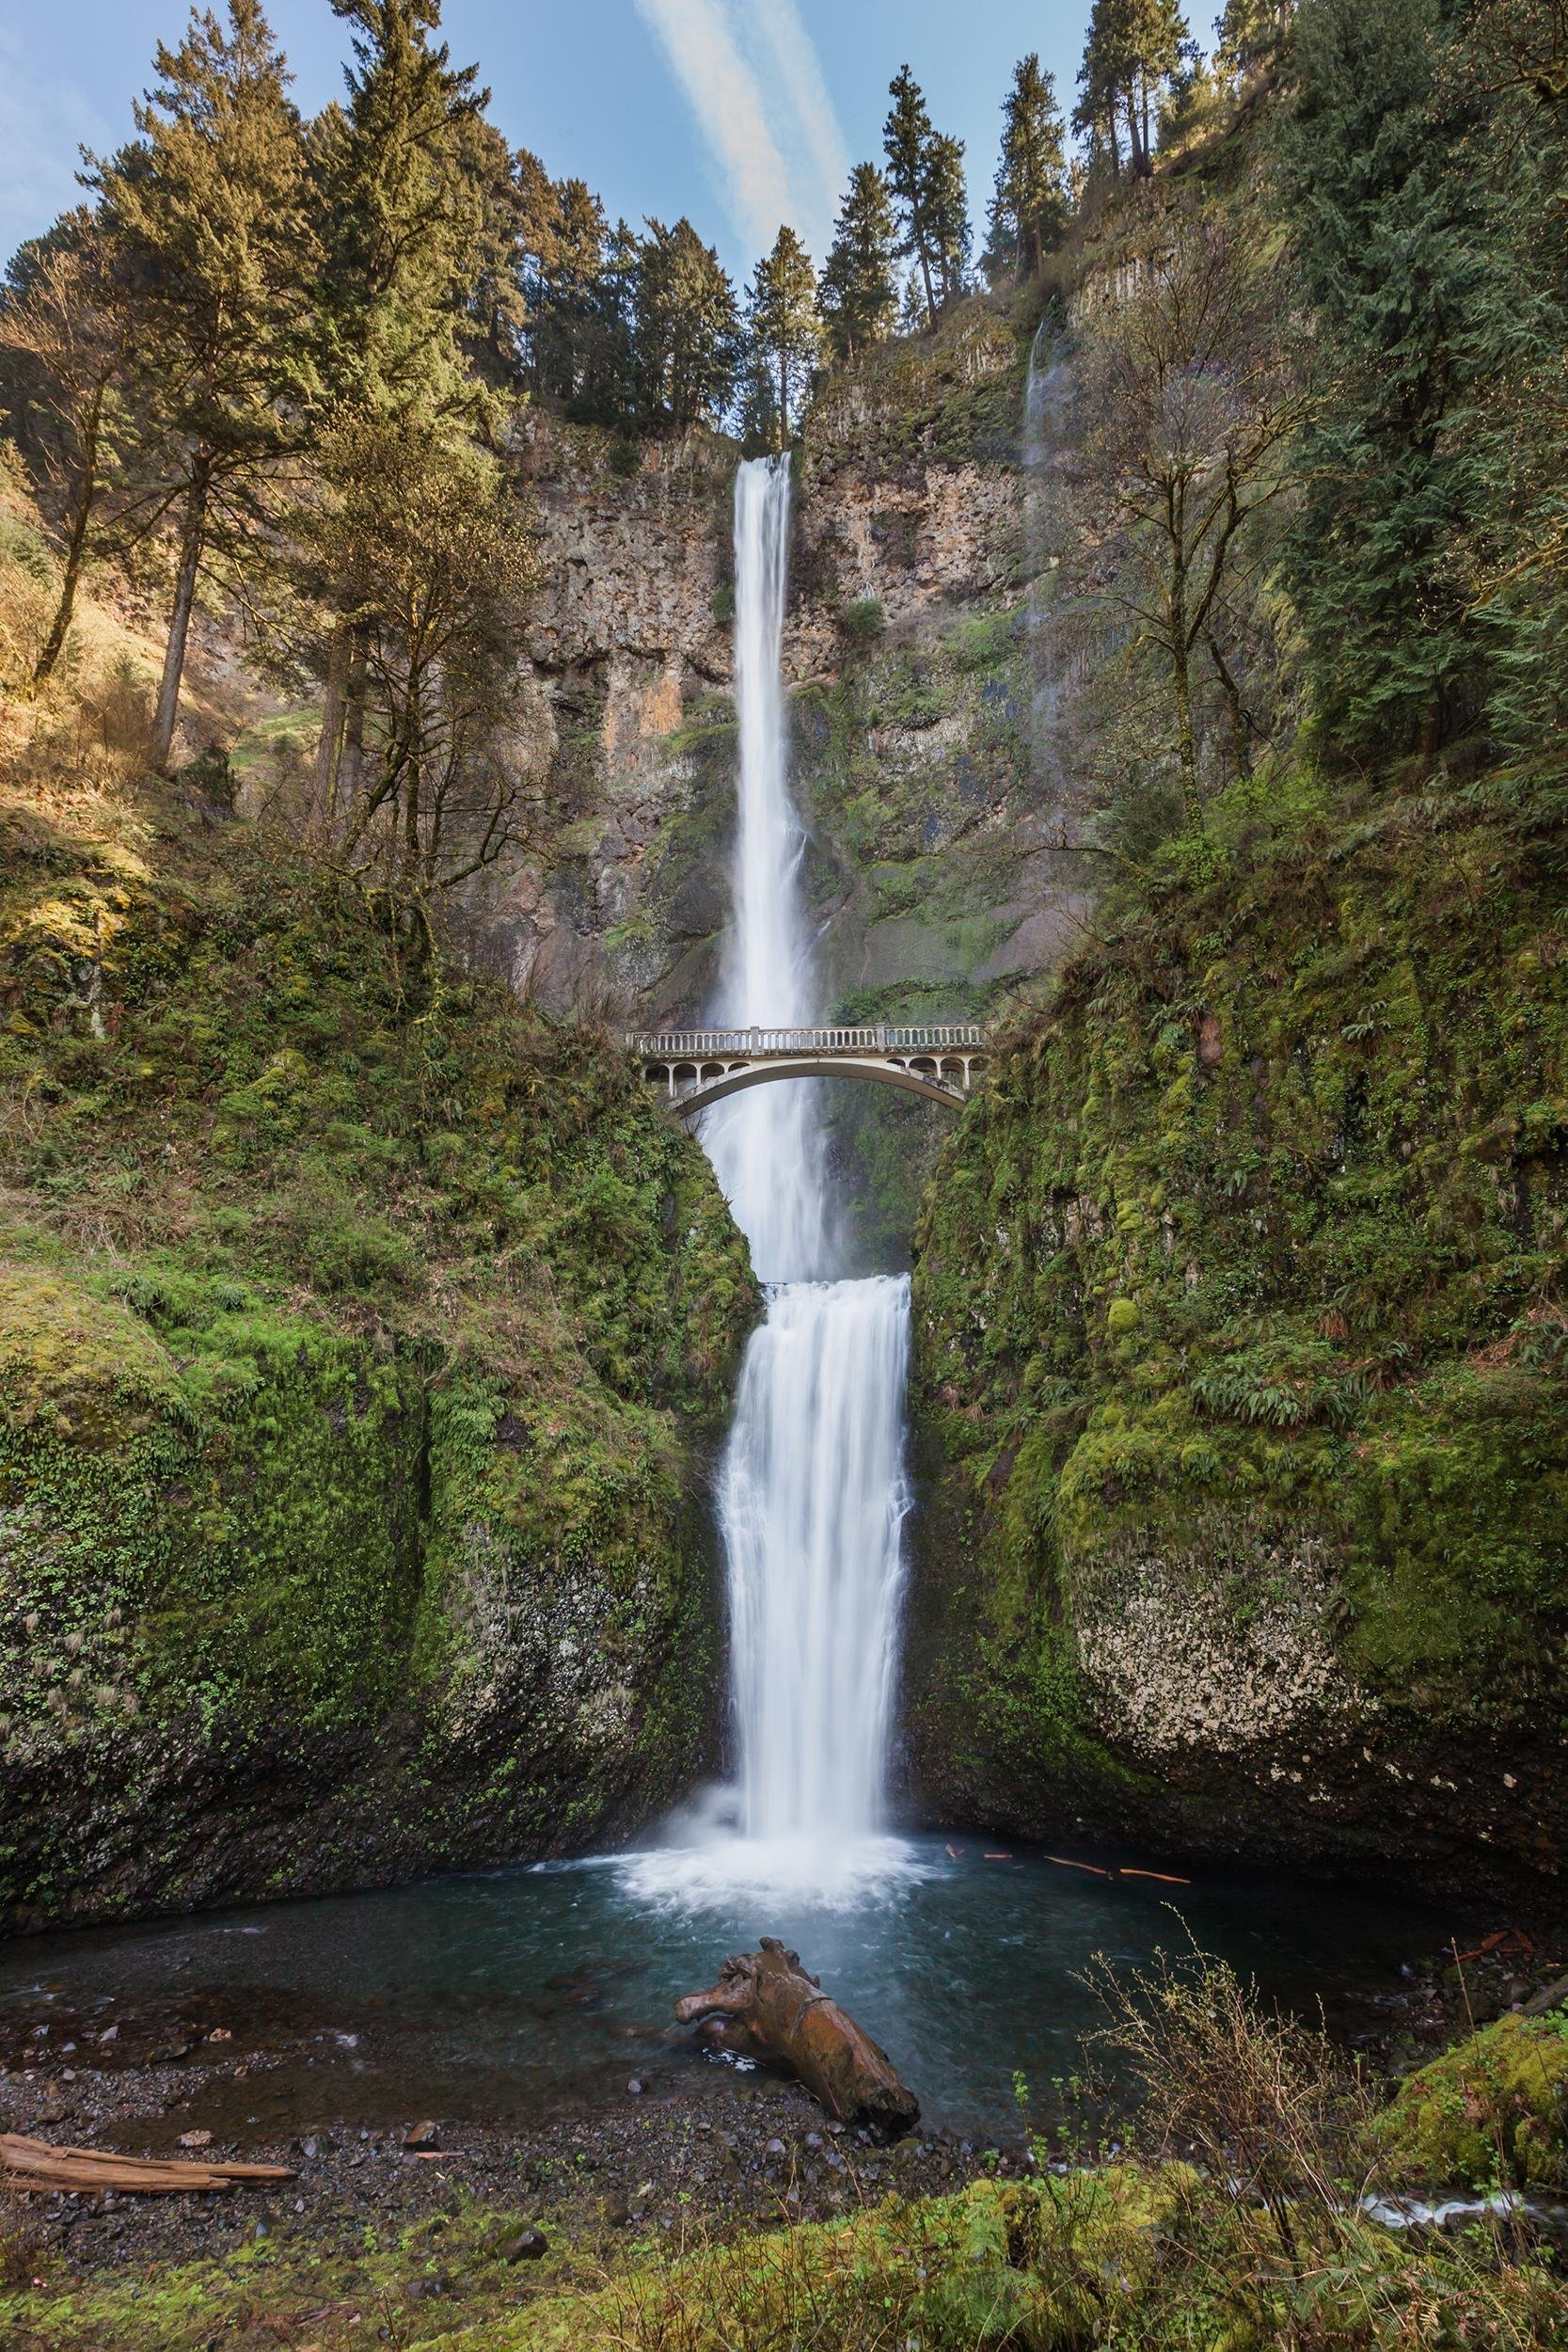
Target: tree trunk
<point>329,749</point>
<point>1139,161</point>
<point>925,268</point>
<point>764,2005</point>
<point>1239,746</point>
<point>351,759</point>
<point>76,545</point>
<point>1186,744</point>
<point>179,622</point>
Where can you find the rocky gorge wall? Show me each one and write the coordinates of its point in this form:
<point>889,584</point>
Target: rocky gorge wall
<point>903,648</point>
<point>932,863</point>
<point>363,1341</point>
<point>1241,1385</point>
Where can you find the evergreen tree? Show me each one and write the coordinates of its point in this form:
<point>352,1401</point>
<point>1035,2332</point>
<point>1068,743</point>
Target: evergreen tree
<point>858,299</point>
<point>786,328</point>
<point>1250,35</point>
<point>578,327</point>
<point>686,329</point>
<point>908,140</point>
<point>947,213</point>
<point>1102,78</point>
<point>1390,231</point>
<point>1134,50</point>
<point>66,315</point>
<point>406,207</point>
<point>494,296</point>
<point>209,205</point>
<point>1029,208</point>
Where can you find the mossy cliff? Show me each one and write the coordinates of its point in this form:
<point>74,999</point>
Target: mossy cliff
<point>362,1339</point>
<point>1243,1356</point>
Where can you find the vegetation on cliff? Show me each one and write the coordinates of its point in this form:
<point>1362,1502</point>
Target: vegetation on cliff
<point>363,1336</point>
<point>1240,1293</point>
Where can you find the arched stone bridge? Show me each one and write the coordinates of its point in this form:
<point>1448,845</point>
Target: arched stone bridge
<point>694,1068</point>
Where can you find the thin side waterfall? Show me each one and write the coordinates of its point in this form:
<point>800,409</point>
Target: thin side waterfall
<point>811,1489</point>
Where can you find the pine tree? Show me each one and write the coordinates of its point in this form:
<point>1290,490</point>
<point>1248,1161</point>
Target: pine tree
<point>494,297</point>
<point>686,331</point>
<point>406,208</point>
<point>67,314</point>
<point>1250,35</point>
<point>209,205</point>
<point>858,299</point>
<point>786,328</point>
<point>1103,77</point>
<point>1134,50</point>
<point>1390,231</point>
<point>908,140</point>
<point>947,213</point>
<point>1029,208</point>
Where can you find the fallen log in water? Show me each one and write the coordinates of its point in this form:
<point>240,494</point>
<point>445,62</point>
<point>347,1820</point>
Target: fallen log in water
<point>34,2165</point>
<point>764,2005</point>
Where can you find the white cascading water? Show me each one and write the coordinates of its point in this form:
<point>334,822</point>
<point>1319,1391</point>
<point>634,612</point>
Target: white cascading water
<point>811,1489</point>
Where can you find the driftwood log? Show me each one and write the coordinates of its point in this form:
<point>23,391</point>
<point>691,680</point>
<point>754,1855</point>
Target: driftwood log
<point>766,2006</point>
<point>33,2165</point>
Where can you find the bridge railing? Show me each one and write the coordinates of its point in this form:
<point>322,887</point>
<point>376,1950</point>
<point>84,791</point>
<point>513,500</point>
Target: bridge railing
<point>882,1037</point>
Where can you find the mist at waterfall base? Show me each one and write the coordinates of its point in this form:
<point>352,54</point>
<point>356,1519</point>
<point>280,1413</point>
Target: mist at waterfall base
<point>812,1492</point>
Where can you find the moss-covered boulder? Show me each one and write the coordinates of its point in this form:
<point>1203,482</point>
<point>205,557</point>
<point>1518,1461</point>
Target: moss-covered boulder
<point>1243,1356</point>
<point>1494,2109</point>
<point>362,1340</point>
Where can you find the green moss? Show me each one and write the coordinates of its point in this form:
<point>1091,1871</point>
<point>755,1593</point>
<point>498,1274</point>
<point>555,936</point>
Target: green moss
<point>1494,2111</point>
<point>363,1336</point>
<point>1262,1223</point>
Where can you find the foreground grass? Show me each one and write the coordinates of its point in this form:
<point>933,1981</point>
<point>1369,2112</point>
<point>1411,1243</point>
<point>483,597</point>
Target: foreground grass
<point>1127,2255</point>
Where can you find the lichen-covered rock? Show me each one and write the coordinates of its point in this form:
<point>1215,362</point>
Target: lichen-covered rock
<point>1242,1363</point>
<point>363,1339</point>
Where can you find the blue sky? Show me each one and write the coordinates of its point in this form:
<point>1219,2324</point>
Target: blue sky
<point>739,113</point>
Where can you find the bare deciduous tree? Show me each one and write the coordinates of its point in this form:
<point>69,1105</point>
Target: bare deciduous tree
<point>1189,394</point>
<point>72,323</point>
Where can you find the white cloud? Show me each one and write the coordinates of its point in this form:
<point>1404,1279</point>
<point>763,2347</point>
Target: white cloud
<point>824,167</point>
<point>727,100</point>
<point>751,74</point>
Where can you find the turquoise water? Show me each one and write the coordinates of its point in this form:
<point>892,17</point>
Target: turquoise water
<point>520,1994</point>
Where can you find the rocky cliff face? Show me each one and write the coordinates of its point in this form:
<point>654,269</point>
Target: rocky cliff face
<point>363,1341</point>
<point>906,649</point>
<point>1241,1363</point>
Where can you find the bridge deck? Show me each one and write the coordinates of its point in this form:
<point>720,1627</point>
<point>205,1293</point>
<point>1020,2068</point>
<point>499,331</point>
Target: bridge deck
<point>696,1067</point>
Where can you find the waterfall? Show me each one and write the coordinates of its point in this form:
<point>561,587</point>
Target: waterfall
<point>812,1490</point>
<point>766,1145</point>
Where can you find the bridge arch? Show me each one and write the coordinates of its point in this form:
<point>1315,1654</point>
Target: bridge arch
<point>695,1068</point>
<point>716,1085</point>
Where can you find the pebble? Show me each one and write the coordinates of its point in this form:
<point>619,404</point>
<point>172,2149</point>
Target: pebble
<point>525,2247</point>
